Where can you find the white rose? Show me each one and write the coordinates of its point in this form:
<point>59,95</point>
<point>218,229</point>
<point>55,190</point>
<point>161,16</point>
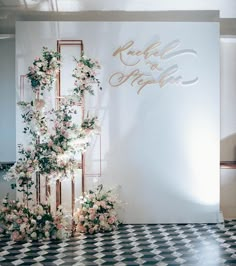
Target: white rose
<point>10,228</point>
<point>18,205</point>
<point>60,234</point>
<point>22,227</point>
<point>39,217</point>
<point>40,210</point>
<point>64,146</point>
<point>39,64</point>
<point>34,235</point>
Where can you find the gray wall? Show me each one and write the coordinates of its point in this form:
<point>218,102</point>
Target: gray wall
<point>228,99</point>
<point>7,101</point>
<point>5,187</point>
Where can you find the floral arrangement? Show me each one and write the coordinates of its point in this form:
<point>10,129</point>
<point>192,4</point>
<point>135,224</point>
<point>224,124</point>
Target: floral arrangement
<point>36,223</point>
<point>44,70</point>
<point>54,156</point>
<point>34,118</point>
<point>85,76</point>
<point>55,141</point>
<point>97,212</point>
<point>22,171</point>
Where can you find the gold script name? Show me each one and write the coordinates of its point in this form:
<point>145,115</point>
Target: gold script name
<point>130,57</point>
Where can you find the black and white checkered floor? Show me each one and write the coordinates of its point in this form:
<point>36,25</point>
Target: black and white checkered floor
<point>190,244</point>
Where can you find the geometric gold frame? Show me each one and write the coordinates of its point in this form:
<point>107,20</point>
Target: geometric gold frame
<point>60,44</point>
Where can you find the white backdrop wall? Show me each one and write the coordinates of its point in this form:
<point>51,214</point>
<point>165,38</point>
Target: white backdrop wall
<point>160,145</point>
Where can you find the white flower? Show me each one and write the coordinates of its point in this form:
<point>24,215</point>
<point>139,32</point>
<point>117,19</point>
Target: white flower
<point>39,217</point>
<point>34,235</point>
<point>47,234</point>
<point>14,217</point>
<point>39,64</point>
<point>40,210</point>
<point>61,234</point>
<point>11,227</point>
<point>22,227</point>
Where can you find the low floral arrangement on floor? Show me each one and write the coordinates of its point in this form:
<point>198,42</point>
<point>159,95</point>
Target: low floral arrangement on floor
<point>36,223</point>
<point>98,212</point>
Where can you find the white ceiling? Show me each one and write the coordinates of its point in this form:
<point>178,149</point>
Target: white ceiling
<point>13,10</point>
<point>227,8</point>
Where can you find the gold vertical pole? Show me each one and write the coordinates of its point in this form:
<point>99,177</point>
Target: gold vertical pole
<point>38,196</point>
<point>73,204</point>
<point>58,193</point>
<point>58,94</point>
<point>83,155</point>
<point>83,174</point>
<point>47,189</point>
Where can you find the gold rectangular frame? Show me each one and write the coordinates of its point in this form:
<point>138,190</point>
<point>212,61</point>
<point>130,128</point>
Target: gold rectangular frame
<point>59,96</point>
<point>61,43</point>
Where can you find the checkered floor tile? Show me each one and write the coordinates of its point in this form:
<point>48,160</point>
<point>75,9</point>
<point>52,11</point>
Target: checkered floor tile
<point>169,244</point>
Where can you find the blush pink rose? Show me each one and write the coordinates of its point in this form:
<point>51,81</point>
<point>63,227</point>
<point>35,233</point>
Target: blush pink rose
<point>81,218</point>
<point>91,210</point>
<point>66,135</point>
<point>50,143</point>
<point>111,220</point>
<point>19,221</point>
<point>101,218</point>
<point>81,229</point>
<point>92,216</point>
<point>16,236</point>
<point>25,219</point>
<point>49,72</point>
<point>59,226</point>
<point>91,230</point>
<point>103,204</point>
<point>30,170</point>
